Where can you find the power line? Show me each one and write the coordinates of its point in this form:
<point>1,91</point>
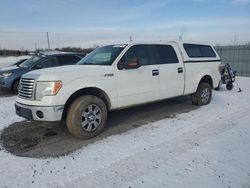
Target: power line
<point>22,32</point>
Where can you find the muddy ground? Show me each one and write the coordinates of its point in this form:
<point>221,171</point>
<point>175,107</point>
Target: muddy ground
<point>39,140</point>
<point>6,94</point>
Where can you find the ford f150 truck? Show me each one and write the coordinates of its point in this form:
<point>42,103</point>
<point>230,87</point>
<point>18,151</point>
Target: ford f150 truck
<point>117,76</point>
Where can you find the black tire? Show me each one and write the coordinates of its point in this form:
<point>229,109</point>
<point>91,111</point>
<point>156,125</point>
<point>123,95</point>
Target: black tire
<point>76,117</point>
<point>203,95</point>
<point>229,86</point>
<point>15,86</point>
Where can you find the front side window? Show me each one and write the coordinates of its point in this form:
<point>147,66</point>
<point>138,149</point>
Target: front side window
<point>144,53</point>
<point>103,55</point>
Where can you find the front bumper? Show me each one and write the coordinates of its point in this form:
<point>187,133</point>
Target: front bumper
<point>39,113</point>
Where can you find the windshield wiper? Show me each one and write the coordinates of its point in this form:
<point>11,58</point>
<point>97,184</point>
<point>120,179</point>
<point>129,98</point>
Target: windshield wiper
<point>87,63</point>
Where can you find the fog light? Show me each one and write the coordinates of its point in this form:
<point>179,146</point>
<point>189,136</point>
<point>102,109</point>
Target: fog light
<point>39,114</point>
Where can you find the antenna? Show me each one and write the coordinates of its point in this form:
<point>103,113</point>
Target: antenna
<point>130,38</point>
<point>235,38</point>
<point>48,40</point>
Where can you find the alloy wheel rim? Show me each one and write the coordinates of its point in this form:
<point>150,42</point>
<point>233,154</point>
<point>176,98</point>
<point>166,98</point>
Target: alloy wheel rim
<point>205,95</point>
<point>91,118</point>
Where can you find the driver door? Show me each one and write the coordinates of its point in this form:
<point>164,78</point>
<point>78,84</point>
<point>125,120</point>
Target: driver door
<point>140,84</point>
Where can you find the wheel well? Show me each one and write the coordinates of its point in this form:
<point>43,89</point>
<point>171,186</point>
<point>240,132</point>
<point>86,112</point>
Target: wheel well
<point>86,91</point>
<point>18,79</point>
<point>207,79</point>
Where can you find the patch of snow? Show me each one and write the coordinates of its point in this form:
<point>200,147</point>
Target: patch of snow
<point>7,112</point>
<point>7,61</point>
<point>207,147</point>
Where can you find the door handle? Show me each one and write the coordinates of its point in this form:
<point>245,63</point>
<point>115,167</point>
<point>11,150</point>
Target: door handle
<point>155,72</point>
<point>180,70</point>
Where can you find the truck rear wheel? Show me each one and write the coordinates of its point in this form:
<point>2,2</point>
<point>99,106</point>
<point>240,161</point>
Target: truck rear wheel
<point>203,95</point>
<point>86,117</point>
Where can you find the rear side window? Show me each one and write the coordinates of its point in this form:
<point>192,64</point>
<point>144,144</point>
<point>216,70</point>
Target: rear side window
<point>196,50</point>
<point>166,54</point>
<point>207,51</point>
<point>68,59</point>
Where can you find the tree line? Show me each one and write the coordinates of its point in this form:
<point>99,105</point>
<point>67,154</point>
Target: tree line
<point>6,52</point>
<point>75,49</point>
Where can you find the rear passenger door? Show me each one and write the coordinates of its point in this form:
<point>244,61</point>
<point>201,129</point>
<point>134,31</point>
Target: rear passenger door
<point>171,71</point>
<point>68,59</point>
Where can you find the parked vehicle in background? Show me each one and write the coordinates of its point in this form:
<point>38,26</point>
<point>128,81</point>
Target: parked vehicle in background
<point>118,76</point>
<point>10,76</point>
<point>19,62</point>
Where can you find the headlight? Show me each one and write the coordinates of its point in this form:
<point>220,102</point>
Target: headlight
<point>47,89</point>
<point>5,74</point>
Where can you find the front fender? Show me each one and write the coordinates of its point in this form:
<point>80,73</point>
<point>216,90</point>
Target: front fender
<point>105,84</point>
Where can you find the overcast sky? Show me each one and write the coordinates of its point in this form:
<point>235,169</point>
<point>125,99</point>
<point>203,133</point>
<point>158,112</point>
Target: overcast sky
<point>86,23</point>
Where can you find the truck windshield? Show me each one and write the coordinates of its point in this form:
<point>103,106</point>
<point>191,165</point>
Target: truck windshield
<point>31,61</point>
<point>103,55</point>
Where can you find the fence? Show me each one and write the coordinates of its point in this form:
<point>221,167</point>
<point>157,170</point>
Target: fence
<point>237,56</point>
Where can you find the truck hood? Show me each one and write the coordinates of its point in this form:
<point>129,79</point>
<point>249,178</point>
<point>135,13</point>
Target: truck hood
<point>70,72</point>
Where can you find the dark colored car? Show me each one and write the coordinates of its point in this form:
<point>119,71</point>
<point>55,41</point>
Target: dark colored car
<point>10,76</point>
<point>19,62</point>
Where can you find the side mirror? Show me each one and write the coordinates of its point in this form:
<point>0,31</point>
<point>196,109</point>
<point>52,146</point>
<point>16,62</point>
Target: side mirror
<point>38,67</point>
<point>129,64</point>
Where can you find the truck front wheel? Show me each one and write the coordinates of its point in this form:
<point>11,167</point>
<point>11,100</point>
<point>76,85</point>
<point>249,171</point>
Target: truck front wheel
<point>86,117</point>
<point>203,95</point>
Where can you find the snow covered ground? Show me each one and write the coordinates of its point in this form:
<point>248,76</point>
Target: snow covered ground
<point>7,61</point>
<point>207,147</point>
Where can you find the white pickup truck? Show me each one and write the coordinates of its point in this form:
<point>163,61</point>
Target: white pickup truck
<point>117,76</point>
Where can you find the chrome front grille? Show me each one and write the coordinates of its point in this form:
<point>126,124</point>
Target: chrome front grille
<point>26,88</point>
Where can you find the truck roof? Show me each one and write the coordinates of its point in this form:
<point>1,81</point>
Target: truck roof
<point>48,53</point>
<point>187,57</point>
<point>164,42</point>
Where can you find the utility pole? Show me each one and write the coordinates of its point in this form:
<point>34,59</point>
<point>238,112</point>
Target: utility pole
<point>235,39</point>
<point>130,38</point>
<point>35,46</point>
<point>48,40</point>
